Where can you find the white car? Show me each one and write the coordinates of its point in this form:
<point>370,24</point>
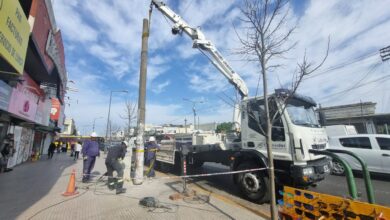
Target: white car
<point>374,149</point>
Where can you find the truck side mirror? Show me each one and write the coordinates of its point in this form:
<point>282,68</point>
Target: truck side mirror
<point>322,118</point>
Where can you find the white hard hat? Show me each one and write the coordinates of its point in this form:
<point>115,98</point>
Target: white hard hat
<point>126,143</point>
<point>93,134</point>
<point>151,138</point>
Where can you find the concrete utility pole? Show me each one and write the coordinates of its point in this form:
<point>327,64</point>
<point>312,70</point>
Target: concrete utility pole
<point>139,163</point>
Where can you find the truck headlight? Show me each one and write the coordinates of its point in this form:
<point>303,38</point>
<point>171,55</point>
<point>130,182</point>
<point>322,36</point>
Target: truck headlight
<point>308,171</point>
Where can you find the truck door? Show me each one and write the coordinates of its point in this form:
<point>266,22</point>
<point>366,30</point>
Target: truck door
<point>278,131</point>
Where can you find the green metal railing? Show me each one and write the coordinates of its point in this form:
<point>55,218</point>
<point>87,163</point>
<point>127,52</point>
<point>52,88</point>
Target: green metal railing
<point>366,173</point>
<point>348,171</point>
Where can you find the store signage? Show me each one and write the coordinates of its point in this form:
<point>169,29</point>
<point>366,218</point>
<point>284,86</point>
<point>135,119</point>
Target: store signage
<point>54,53</point>
<point>14,34</point>
<point>43,112</point>
<point>5,94</point>
<point>55,109</point>
<point>24,99</point>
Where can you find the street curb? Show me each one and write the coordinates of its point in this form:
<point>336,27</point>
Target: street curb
<point>227,200</point>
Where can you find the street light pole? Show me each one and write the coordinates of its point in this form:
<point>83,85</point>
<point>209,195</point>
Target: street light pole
<point>194,110</point>
<point>93,126</point>
<point>109,111</point>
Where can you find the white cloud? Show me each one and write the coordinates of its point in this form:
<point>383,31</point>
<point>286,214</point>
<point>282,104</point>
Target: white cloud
<point>158,88</point>
<point>71,22</point>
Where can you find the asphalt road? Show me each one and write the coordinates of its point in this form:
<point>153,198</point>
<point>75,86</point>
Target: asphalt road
<point>337,185</point>
<point>334,185</point>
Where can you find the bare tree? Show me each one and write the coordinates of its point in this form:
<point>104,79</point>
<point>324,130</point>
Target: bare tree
<point>130,115</point>
<point>114,128</point>
<point>267,37</point>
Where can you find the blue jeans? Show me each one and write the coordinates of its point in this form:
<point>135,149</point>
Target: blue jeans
<point>88,165</point>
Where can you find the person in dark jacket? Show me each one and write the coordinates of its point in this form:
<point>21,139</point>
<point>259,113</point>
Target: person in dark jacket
<point>150,158</point>
<point>7,151</point>
<point>114,162</point>
<point>90,151</point>
<point>50,151</point>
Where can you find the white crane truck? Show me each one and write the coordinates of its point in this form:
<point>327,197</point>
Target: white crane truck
<point>295,132</point>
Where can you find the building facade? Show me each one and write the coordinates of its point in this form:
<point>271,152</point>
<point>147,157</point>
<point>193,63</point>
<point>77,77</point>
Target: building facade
<point>32,77</point>
<point>361,115</point>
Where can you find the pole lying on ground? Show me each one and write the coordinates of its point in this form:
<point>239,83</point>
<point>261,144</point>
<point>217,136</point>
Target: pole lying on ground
<point>139,163</point>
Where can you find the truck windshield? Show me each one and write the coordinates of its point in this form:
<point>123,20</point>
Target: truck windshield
<point>302,115</point>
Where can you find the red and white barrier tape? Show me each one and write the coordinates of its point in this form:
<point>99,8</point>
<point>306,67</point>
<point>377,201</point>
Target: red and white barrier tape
<point>188,176</point>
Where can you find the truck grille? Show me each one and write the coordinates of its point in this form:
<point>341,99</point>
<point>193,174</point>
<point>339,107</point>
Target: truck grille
<point>318,146</point>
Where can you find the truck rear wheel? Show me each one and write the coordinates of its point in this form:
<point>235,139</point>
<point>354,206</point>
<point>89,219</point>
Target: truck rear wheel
<point>254,185</point>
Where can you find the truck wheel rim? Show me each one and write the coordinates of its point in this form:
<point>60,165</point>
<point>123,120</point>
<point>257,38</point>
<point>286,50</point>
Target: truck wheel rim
<point>338,168</point>
<point>251,182</point>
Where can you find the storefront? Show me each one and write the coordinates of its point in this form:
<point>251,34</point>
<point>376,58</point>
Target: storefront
<point>5,95</point>
<point>23,106</point>
<point>42,129</point>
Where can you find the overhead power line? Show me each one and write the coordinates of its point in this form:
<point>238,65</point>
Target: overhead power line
<point>343,92</point>
<point>344,64</point>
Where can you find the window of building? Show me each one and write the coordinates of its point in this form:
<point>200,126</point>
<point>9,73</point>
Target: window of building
<point>356,142</point>
<point>384,143</point>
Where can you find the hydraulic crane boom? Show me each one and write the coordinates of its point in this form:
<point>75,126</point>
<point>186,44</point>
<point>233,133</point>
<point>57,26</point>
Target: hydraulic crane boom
<point>204,45</point>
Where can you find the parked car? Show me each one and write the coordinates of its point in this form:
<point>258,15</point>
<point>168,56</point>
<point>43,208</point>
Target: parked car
<point>374,149</point>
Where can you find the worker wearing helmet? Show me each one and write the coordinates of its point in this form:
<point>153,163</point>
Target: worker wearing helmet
<point>90,151</point>
<point>114,162</point>
<point>150,158</point>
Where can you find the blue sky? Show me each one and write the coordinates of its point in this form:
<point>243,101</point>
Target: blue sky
<point>103,39</point>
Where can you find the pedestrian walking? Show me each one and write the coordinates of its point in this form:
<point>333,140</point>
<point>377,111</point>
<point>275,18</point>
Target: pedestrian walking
<point>50,151</point>
<point>90,151</point>
<point>63,147</point>
<point>58,147</point>
<point>150,161</point>
<point>114,162</point>
<point>77,149</point>
<point>7,151</point>
<point>72,146</point>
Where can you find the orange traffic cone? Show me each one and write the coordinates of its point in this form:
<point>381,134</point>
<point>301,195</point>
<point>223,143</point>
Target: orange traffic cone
<point>71,190</point>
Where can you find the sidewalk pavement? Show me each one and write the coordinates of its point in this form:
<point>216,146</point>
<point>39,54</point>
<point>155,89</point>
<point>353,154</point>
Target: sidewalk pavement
<point>33,191</point>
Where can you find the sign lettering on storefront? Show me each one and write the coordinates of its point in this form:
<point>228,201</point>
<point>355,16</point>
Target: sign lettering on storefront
<point>55,109</point>
<point>14,34</point>
<point>25,98</point>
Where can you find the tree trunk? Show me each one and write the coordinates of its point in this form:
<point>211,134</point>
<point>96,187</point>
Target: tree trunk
<point>271,172</point>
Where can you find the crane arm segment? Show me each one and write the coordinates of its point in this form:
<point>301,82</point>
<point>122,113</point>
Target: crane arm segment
<point>200,42</point>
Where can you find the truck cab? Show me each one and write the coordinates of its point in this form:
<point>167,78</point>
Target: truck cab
<point>295,130</point>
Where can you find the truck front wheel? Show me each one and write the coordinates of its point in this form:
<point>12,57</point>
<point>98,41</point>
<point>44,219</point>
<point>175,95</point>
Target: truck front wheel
<point>254,185</point>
